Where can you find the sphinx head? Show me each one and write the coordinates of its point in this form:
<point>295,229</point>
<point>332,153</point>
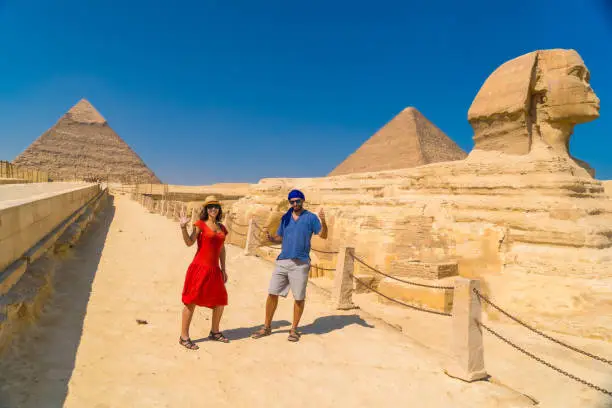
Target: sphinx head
<point>538,96</point>
<point>562,91</point>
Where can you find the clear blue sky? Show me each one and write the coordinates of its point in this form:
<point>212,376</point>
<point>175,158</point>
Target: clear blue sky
<point>230,91</point>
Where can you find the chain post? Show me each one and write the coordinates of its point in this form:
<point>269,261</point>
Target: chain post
<point>251,241</point>
<point>467,362</point>
<point>342,291</point>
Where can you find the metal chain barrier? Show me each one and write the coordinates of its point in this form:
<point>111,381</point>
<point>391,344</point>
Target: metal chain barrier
<point>238,224</point>
<point>323,269</point>
<point>398,279</point>
<point>258,227</point>
<point>324,252</point>
<point>538,359</point>
<point>265,244</point>
<point>239,233</point>
<point>399,301</point>
<point>533,329</point>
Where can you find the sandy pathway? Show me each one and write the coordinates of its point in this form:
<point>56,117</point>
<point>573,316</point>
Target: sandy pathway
<point>88,350</point>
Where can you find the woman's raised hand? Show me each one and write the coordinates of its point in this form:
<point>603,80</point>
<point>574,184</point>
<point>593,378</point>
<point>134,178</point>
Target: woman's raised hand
<point>183,220</point>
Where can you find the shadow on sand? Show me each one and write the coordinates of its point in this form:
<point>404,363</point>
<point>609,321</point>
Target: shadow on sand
<point>327,324</point>
<point>36,370</point>
<point>241,333</point>
<point>321,325</point>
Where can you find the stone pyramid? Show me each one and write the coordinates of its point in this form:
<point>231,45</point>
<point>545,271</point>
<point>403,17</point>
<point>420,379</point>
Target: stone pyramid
<point>408,140</point>
<point>82,146</point>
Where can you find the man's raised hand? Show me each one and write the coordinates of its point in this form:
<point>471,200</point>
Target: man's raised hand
<point>321,214</point>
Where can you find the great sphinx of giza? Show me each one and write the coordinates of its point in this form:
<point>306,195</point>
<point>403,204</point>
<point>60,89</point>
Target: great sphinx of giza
<point>532,103</point>
<point>519,212</point>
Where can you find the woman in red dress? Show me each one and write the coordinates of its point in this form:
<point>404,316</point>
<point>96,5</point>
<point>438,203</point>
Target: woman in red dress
<point>206,276</point>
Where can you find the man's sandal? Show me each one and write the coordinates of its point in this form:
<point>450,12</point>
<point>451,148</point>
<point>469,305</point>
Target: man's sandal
<point>263,332</point>
<point>218,337</point>
<point>294,335</point>
<point>188,344</point>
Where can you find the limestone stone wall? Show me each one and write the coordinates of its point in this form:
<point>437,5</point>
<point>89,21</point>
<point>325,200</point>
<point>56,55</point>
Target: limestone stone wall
<point>608,187</point>
<point>520,212</point>
<point>537,235</point>
<point>30,212</point>
<point>191,193</point>
<point>27,283</point>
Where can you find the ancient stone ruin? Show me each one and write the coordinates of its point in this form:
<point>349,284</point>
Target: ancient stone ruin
<point>534,101</point>
<point>408,140</point>
<point>520,213</point>
<point>82,146</point>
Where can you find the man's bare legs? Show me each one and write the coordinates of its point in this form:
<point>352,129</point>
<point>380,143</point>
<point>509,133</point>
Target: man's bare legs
<point>298,310</point>
<point>271,304</point>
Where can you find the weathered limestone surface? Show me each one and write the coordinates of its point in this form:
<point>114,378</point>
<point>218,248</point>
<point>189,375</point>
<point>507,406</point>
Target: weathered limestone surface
<point>608,187</point>
<point>429,298</point>
<point>82,145</point>
<point>27,283</point>
<point>519,212</point>
<point>408,140</point>
<point>29,212</point>
<point>13,181</point>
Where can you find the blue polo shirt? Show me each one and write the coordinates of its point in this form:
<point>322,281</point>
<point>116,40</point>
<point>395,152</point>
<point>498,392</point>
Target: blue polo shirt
<point>297,234</point>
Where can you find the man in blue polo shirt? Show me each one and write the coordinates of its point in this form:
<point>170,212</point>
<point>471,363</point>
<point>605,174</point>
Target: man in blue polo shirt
<point>293,263</point>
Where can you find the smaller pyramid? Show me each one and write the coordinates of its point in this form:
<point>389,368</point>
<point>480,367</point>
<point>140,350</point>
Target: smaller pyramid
<point>82,146</point>
<point>408,140</point>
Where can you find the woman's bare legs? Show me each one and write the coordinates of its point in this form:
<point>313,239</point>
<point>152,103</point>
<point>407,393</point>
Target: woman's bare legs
<point>216,318</point>
<point>215,333</point>
<point>184,340</point>
<point>187,315</point>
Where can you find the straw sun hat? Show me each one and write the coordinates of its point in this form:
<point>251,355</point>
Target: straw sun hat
<point>210,200</point>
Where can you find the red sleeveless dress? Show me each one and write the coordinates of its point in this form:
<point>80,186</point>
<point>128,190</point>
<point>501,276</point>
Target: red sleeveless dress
<point>204,284</point>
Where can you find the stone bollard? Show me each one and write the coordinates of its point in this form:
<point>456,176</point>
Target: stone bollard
<point>342,291</point>
<point>467,354</point>
<point>251,240</point>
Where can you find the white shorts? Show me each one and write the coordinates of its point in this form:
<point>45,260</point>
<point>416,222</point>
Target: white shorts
<point>290,273</point>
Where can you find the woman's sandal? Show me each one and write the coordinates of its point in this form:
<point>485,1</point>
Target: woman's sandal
<point>263,332</point>
<point>294,335</point>
<point>218,337</point>
<point>188,344</point>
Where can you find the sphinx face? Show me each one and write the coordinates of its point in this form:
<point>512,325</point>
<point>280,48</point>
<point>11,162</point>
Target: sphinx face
<point>567,95</point>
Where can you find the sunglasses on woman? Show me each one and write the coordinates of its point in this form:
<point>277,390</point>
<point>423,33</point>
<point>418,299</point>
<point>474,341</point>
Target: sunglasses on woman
<point>211,206</point>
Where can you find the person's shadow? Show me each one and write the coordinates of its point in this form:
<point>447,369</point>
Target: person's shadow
<point>245,332</point>
<point>327,324</point>
<point>321,325</point>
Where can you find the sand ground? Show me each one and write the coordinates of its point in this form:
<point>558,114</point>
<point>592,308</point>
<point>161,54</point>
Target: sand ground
<point>87,350</point>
